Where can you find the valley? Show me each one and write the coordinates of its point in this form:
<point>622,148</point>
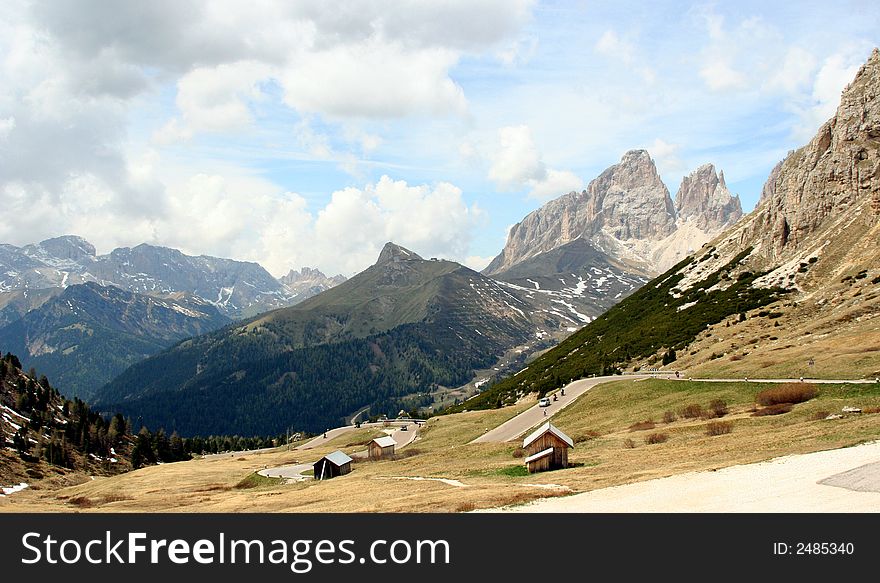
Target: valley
<point>687,336</point>
<point>609,425</point>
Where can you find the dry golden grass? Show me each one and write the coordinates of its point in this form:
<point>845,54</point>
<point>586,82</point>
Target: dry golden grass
<point>604,413</point>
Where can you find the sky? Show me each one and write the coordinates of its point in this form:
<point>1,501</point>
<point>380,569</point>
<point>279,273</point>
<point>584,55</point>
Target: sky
<point>309,133</point>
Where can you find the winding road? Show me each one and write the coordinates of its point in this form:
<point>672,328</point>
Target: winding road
<point>534,416</point>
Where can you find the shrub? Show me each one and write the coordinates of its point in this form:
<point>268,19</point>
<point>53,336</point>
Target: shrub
<point>108,498</point>
<point>871,410</point>
<point>642,425</point>
<point>735,358</point>
<point>81,502</point>
<point>787,393</point>
<point>466,507</point>
<point>655,438</point>
<point>719,407</point>
<point>629,443</point>
<point>692,411</point>
<point>820,415</point>
<point>519,452</point>
<point>669,417</point>
<point>777,409</point>
<point>407,452</point>
<point>587,436</point>
<point>718,428</point>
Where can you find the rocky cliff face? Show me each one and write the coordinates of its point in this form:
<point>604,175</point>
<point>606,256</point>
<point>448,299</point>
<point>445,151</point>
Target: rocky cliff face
<point>703,198</point>
<point>815,232</point>
<point>838,170</point>
<point>628,214</point>
<point>823,200</point>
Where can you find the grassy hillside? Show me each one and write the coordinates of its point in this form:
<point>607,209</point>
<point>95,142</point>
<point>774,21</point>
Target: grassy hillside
<point>651,321</point>
<point>402,328</point>
<point>309,388</point>
<point>610,449</point>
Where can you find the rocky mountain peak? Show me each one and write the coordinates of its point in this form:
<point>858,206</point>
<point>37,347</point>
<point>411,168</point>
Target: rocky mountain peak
<point>704,198</point>
<point>309,276</point>
<point>65,248</point>
<point>630,200</point>
<point>636,170</point>
<point>392,253</point>
<point>625,206</point>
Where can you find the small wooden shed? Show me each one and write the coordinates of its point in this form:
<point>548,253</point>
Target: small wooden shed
<point>332,465</point>
<point>382,447</point>
<point>547,449</point>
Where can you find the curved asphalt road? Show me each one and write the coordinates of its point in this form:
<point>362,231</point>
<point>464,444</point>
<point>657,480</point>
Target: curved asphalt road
<point>404,439</point>
<point>534,416</point>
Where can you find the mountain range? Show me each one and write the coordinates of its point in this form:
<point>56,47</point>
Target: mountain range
<point>583,252</point>
<point>83,318</point>
<point>405,329</point>
<point>792,289</point>
<point>385,338</point>
<point>237,288</point>
<point>627,214</point>
<point>88,333</point>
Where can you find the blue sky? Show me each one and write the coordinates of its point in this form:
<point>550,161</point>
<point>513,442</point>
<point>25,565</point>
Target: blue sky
<point>309,133</point>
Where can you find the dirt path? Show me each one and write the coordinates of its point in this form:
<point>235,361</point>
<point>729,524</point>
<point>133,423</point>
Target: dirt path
<point>840,480</point>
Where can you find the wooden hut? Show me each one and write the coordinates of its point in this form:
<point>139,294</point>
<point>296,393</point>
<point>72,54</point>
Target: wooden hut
<point>382,448</point>
<point>546,449</point>
<point>332,465</point>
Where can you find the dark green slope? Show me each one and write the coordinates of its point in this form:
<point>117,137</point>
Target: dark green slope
<point>89,333</point>
<point>650,320</point>
<point>399,328</point>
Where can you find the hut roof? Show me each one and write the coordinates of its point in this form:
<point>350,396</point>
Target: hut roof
<point>539,455</point>
<point>544,429</point>
<point>385,441</point>
<point>337,458</point>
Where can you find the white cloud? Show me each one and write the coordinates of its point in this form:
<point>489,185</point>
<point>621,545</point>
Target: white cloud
<point>216,99</point>
<point>519,52</point>
<point>795,73</point>
<point>476,262</point>
<point>517,163</point>
<point>556,183</point>
<point>666,156</point>
<point>432,221</point>
<point>7,124</point>
<point>818,102</point>
<point>611,45</point>
<point>172,132</point>
<point>373,80</point>
<point>517,160</point>
<point>836,72</point>
<point>720,76</point>
<point>78,79</point>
